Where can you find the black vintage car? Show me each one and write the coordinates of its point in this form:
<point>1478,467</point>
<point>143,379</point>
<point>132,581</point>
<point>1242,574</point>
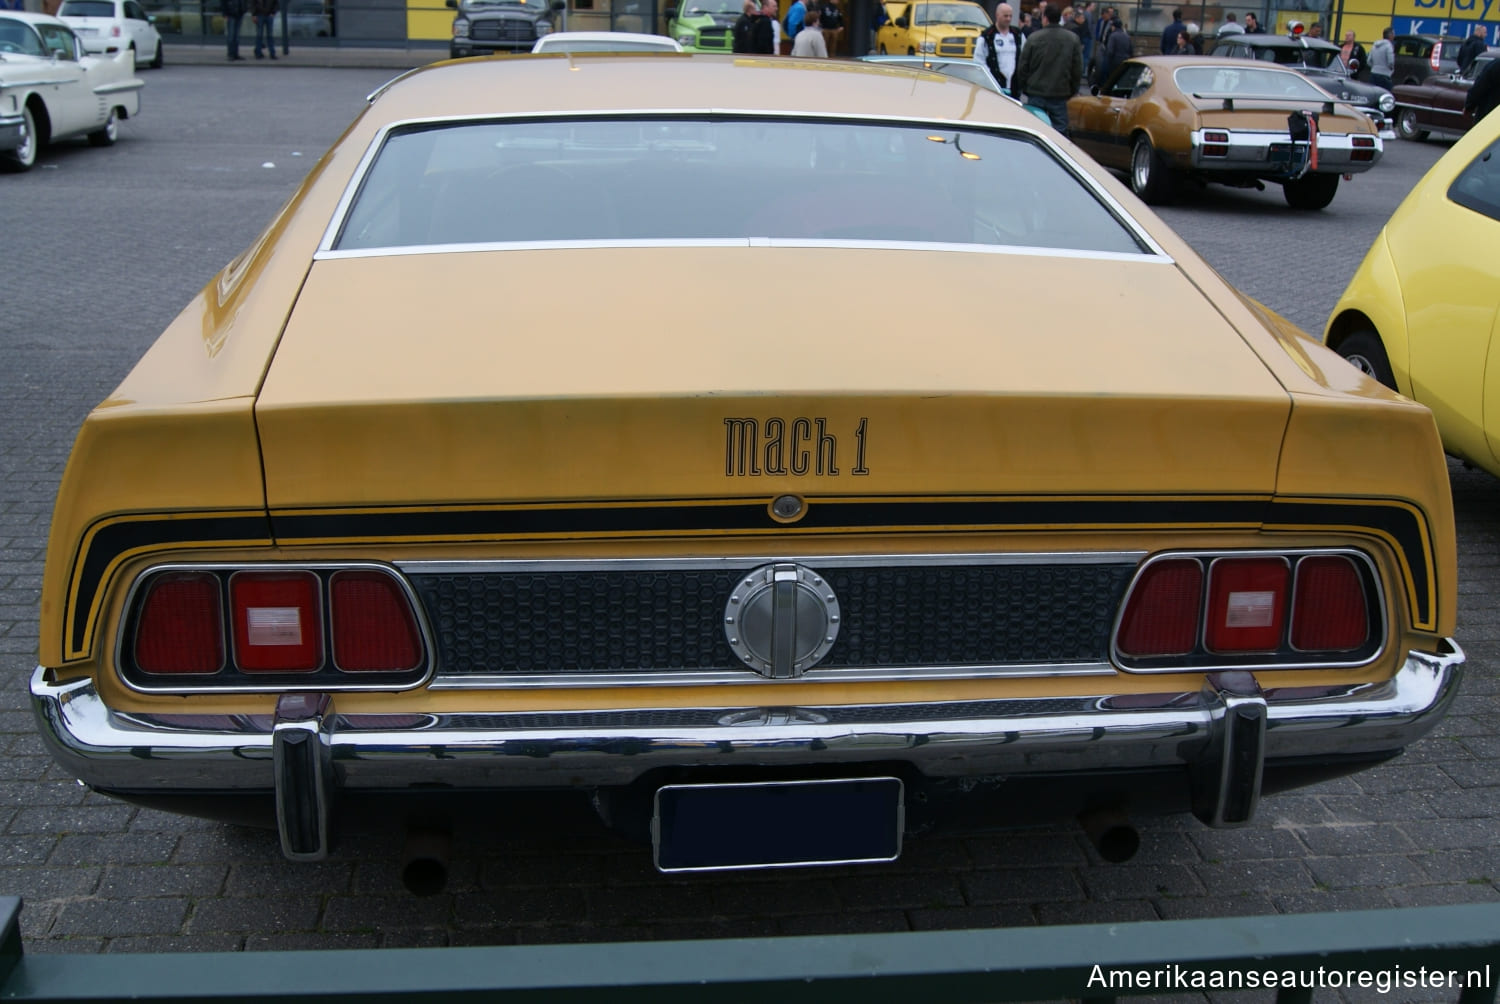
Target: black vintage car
<point>481,27</point>
<point>1436,105</point>
<point>1421,56</point>
<point>1322,63</point>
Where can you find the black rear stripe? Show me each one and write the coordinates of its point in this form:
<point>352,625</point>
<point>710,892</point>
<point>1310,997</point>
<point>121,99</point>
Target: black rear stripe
<point>112,540</point>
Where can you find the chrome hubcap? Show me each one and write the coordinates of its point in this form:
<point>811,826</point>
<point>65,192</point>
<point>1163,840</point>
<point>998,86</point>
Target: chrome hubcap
<point>1362,364</point>
<point>1141,168</point>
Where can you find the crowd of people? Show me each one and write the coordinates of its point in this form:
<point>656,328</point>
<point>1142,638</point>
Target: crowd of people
<point>1049,54</point>
<point>807,29</point>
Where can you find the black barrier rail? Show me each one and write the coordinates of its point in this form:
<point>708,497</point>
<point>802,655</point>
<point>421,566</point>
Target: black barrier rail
<point>1446,952</point>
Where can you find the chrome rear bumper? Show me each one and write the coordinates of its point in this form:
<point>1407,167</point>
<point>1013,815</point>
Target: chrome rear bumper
<point>187,752</point>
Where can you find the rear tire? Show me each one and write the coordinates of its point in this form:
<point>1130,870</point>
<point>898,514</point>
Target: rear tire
<point>159,58</point>
<point>1365,352</point>
<point>1311,191</point>
<point>1406,125</point>
<point>1150,178</point>
<point>110,132</point>
<point>24,156</point>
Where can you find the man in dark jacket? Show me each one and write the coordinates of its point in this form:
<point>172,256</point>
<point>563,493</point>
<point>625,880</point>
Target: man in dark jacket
<point>1116,51</point>
<point>264,14</point>
<point>1474,46</point>
<point>1050,68</point>
<point>1252,25</point>
<point>1485,94</point>
<point>1170,32</point>
<point>234,14</point>
<point>742,35</point>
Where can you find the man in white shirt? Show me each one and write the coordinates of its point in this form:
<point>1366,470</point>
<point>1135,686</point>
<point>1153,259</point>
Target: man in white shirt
<point>999,46</point>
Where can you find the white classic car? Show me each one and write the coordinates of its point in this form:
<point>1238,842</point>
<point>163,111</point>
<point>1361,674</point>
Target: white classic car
<point>108,25</point>
<point>51,89</point>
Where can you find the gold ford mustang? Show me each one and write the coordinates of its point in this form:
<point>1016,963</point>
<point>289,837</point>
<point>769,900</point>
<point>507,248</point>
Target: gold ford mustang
<point>432,489</point>
<point>1420,314</point>
<point>1165,119</point>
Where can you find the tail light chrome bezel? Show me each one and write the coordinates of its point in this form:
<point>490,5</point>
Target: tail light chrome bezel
<point>230,680</point>
<point>1285,656</point>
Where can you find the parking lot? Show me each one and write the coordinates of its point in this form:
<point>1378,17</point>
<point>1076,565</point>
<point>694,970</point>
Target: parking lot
<point>102,248</point>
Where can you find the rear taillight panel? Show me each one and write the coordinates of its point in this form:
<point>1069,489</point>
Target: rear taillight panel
<point>1314,608</point>
<point>218,628</point>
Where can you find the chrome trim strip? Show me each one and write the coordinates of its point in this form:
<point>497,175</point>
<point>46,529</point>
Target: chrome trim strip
<point>1126,220</point>
<point>167,752</point>
<point>748,677</point>
<point>124,85</point>
<point>752,561</point>
<point>1208,662</point>
<point>176,685</point>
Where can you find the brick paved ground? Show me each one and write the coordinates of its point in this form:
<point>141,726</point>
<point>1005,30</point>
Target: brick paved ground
<point>103,246</point>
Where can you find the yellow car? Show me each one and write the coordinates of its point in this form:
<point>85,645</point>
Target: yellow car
<point>946,28</point>
<point>1420,314</point>
<point>439,489</point>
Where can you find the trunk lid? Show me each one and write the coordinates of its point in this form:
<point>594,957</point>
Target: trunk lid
<point>484,376</point>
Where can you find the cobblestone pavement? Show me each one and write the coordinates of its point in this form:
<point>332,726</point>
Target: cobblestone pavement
<point>102,247</point>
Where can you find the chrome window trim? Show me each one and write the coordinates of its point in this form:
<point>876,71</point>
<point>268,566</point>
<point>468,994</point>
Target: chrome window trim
<point>1208,662</point>
<point>744,677</point>
<point>710,242</point>
<point>326,248</point>
<point>429,648</point>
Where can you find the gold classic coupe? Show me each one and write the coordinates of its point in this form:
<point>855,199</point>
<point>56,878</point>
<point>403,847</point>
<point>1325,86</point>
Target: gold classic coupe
<point>526,448</point>
<point>1420,314</point>
<point>1167,119</point>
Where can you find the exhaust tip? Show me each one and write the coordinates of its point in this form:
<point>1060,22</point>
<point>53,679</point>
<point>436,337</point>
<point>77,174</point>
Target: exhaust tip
<point>424,864</point>
<point>1112,834</point>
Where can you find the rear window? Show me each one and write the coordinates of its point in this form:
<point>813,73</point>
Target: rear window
<point>1247,81</point>
<point>87,8</point>
<point>682,178</point>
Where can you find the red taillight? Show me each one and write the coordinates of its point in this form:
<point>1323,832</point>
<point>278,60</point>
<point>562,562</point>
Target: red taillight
<point>1215,143</point>
<point>373,627</point>
<point>277,626</point>
<point>1329,613</point>
<point>1436,62</point>
<point>1364,148</point>
<point>1161,617</point>
<point>1246,604</point>
<point>180,630</point>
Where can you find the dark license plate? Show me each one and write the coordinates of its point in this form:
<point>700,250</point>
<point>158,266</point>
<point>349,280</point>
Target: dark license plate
<point>781,824</point>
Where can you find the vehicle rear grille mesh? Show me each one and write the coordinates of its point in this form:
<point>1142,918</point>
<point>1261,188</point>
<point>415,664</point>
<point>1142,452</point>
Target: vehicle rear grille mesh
<point>665,620</point>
